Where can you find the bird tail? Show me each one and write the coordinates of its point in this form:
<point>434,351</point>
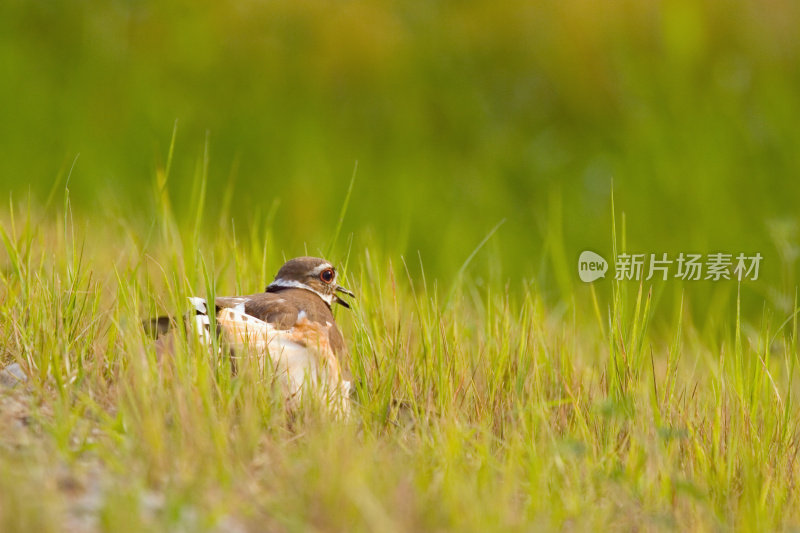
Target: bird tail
<point>156,327</point>
<point>197,322</point>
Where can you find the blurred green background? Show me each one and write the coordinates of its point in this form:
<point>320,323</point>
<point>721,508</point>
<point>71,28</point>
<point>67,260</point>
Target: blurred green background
<point>460,114</point>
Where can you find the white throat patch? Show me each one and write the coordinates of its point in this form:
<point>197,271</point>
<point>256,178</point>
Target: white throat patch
<point>294,284</point>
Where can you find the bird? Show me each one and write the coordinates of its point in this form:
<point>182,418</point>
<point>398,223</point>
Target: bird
<point>290,325</point>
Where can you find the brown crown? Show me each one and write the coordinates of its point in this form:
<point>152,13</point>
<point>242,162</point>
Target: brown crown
<point>299,268</point>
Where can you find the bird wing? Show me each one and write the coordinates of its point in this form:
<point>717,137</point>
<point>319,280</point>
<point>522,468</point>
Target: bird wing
<point>265,306</point>
<point>284,313</point>
<point>297,355</point>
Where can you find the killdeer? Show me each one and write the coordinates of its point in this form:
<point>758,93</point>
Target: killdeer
<point>291,326</point>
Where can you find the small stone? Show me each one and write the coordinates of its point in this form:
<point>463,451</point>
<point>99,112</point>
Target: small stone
<point>12,375</point>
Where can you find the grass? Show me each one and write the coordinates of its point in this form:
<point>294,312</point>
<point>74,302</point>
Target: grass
<point>477,408</point>
<point>459,115</point>
<point>495,391</point>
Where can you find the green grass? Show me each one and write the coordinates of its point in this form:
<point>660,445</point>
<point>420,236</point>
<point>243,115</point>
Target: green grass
<point>476,409</point>
<point>453,159</point>
<point>460,114</point>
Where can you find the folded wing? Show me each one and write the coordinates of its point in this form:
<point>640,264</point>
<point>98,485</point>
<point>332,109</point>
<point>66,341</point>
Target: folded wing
<point>300,356</point>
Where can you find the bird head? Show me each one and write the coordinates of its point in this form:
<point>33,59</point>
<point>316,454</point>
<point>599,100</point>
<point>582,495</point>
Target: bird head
<point>313,274</point>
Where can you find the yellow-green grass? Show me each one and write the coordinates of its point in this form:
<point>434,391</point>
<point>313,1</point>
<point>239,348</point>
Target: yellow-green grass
<point>476,408</point>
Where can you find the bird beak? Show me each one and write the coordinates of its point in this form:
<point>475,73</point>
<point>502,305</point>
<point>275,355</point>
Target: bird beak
<point>344,291</point>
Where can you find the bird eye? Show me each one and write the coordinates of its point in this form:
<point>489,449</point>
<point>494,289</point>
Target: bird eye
<point>327,275</point>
